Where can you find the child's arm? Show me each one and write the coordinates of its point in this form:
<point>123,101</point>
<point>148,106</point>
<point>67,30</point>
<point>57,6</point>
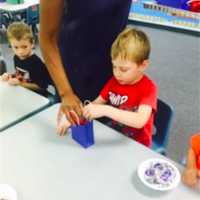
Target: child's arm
<point>191,160</point>
<point>189,175</point>
<point>133,119</point>
<point>99,100</point>
<point>31,86</point>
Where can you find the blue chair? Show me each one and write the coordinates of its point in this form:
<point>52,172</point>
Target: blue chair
<point>32,18</point>
<point>162,124</point>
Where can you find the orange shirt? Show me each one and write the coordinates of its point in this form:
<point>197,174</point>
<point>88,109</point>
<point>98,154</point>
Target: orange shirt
<point>195,144</point>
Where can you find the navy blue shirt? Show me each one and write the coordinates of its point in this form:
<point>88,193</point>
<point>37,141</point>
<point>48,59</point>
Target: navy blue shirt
<point>33,70</point>
<point>88,30</point>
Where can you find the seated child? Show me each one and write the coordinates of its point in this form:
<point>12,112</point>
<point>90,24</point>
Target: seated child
<point>30,72</point>
<point>130,97</point>
<point>192,171</point>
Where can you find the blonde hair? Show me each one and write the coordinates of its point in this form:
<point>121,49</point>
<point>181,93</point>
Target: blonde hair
<point>131,44</point>
<point>20,31</point>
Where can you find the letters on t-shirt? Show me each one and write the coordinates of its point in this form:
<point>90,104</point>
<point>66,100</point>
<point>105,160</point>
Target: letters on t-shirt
<point>24,74</point>
<point>116,99</point>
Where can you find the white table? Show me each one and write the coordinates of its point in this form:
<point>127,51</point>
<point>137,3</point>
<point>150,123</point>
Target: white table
<point>41,165</point>
<point>16,103</point>
<point>17,7</point>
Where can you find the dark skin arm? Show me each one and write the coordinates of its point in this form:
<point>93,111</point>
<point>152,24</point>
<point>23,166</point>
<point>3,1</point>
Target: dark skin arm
<point>50,21</point>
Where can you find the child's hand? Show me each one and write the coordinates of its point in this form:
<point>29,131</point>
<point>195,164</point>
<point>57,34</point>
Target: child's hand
<point>92,111</point>
<point>62,123</point>
<point>5,77</point>
<point>20,78</point>
<point>189,177</point>
<point>198,173</point>
<point>13,81</point>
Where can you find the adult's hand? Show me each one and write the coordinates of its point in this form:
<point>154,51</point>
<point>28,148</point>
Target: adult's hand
<point>71,106</point>
<point>62,123</point>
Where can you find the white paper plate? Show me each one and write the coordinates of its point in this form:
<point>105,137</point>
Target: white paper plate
<point>159,174</point>
<point>7,192</point>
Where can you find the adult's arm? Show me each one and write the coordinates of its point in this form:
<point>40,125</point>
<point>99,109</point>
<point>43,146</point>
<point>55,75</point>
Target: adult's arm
<point>51,13</point>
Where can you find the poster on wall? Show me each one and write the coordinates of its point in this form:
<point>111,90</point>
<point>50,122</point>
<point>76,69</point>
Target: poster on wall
<point>183,14</point>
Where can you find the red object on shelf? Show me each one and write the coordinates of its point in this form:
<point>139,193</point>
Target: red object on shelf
<point>195,6</point>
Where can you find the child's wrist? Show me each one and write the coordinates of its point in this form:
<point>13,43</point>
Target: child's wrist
<point>106,110</point>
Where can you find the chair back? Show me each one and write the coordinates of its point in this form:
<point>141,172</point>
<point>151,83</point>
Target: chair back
<point>162,123</point>
<point>3,68</point>
<point>32,15</point>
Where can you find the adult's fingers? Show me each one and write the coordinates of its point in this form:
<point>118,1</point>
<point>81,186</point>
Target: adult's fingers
<point>70,118</point>
<point>72,113</point>
<point>59,116</point>
<point>71,103</point>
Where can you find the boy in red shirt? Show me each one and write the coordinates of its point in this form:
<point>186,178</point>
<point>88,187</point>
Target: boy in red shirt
<point>129,98</point>
<point>192,171</point>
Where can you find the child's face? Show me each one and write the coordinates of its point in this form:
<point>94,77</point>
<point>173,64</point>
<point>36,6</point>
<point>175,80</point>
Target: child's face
<point>22,48</point>
<point>128,72</point>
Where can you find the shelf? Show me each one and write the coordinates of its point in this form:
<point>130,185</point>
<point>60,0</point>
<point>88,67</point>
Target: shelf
<point>147,12</point>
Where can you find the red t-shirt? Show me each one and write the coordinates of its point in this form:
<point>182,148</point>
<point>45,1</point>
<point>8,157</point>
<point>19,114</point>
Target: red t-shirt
<point>195,144</point>
<point>130,97</point>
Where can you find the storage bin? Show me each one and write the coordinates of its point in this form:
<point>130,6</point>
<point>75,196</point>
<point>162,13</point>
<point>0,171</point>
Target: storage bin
<point>15,1</point>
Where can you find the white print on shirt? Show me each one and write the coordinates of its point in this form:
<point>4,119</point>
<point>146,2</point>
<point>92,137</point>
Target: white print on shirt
<point>116,99</point>
<point>25,74</point>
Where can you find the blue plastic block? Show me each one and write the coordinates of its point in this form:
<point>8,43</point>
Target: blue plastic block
<point>84,134</point>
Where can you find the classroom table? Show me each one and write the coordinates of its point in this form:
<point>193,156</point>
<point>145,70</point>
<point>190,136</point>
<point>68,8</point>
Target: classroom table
<point>41,165</point>
<point>17,103</point>
<point>4,6</point>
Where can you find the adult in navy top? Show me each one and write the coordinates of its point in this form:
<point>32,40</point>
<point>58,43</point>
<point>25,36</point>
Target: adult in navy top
<point>76,38</point>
